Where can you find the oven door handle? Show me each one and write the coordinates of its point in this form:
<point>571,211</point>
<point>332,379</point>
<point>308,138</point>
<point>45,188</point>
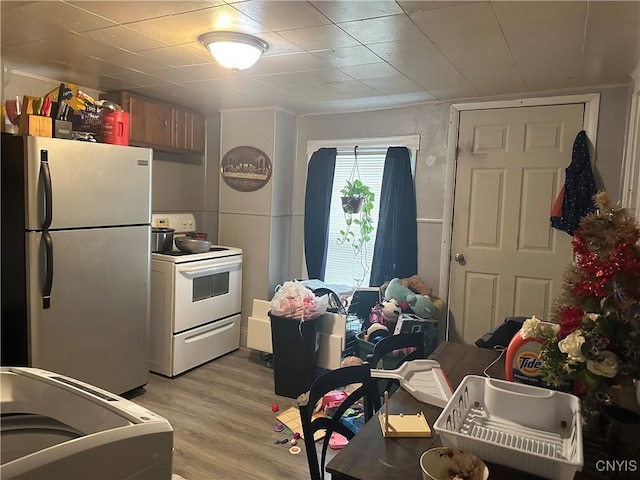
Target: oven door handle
<point>210,270</point>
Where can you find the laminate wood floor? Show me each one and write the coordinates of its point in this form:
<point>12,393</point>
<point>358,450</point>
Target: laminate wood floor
<point>223,423</point>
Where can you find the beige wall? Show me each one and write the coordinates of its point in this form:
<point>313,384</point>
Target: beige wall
<point>259,222</point>
<point>431,122</point>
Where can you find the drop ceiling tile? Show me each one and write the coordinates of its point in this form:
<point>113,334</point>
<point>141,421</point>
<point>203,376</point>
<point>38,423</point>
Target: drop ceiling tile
<point>400,53</point>
<point>196,49</point>
<point>384,29</point>
<point>324,37</point>
<point>348,56</point>
<point>6,5</point>
<point>141,10</point>
<point>140,78</point>
<point>134,61</point>
<point>375,102</point>
<point>32,50</point>
<point>186,27</point>
<point>174,57</point>
<point>409,98</point>
<point>542,77</point>
<point>75,46</point>
<point>278,45</point>
<point>283,80</point>
<point>295,62</point>
<point>393,85</point>
<point>14,32</point>
<point>437,75</point>
<point>281,15</point>
<point>65,15</point>
<point>456,19</point>
<point>466,34</point>
<point>347,11</point>
<point>207,71</point>
<point>420,5</point>
<point>533,15</point>
<point>324,76</point>
<point>97,67</point>
<point>371,70</point>
<point>124,38</point>
<point>305,90</point>
<point>347,86</point>
<point>107,83</point>
<point>59,71</point>
<point>496,80</point>
<point>168,92</point>
<point>613,37</point>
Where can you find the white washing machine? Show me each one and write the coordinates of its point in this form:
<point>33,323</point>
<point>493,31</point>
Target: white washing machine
<point>56,427</point>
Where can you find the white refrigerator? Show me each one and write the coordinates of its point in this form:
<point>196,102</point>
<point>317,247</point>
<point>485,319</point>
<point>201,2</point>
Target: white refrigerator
<point>75,259</point>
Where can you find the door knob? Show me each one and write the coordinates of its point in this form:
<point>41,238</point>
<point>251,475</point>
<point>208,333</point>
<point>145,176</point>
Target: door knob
<point>459,257</point>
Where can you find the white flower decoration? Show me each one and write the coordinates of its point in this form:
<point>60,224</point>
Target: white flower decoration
<point>593,316</point>
<point>608,367</point>
<point>530,328</point>
<point>572,345</point>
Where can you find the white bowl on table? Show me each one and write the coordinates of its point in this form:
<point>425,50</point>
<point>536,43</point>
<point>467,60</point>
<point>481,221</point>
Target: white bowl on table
<point>444,463</point>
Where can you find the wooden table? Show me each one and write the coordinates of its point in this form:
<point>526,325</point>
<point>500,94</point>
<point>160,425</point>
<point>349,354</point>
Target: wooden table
<point>369,456</point>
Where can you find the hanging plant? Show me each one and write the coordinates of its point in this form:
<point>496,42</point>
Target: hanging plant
<point>357,203</point>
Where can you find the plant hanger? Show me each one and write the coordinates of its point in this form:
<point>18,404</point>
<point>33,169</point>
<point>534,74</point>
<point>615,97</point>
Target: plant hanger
<point>354,168</point>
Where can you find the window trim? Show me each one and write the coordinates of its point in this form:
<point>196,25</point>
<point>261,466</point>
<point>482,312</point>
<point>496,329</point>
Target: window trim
<point>412,142</point>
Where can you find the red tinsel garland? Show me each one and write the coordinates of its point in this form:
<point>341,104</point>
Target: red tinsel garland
<point>622,260</point>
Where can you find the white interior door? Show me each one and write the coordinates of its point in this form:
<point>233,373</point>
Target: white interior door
<point>507,259</point>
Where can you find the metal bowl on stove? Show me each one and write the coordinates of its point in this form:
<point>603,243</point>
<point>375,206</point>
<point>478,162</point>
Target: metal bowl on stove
<point>192,245</point>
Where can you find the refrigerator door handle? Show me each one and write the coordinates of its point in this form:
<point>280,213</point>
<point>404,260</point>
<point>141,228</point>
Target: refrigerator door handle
<point>48,274</point>
<point>48,193</point>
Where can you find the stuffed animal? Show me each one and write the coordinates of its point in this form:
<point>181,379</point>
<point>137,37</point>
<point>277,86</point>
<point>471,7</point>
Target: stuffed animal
<point>376,332</point>
<point>413,283</point>
<point>385,312</point>
<point>420,305</point>
<point>397,291</point>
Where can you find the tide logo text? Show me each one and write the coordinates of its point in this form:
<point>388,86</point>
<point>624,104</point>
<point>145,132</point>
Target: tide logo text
<point>528,363</point>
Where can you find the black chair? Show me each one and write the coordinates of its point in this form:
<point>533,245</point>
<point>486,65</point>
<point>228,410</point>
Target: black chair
<point>390,362</point>
<point>332,380</point>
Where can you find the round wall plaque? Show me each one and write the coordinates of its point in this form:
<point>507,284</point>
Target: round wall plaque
<point>245,169</point>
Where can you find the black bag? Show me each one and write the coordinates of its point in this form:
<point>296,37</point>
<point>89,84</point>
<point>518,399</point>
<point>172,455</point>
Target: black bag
<point>501,335</point>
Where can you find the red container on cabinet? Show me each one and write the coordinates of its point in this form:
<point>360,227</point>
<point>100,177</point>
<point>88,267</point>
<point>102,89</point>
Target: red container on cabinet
<point>115,128</point>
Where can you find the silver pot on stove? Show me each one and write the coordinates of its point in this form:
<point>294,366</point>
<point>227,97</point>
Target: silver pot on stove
<point>162,239</point>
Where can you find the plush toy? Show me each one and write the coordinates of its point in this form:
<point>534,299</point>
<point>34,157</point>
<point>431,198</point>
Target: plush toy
<point>397,291</point>
<point>376,332</point>
<point>386,312</point>
<point>421,305</point>
<point>413,283</point>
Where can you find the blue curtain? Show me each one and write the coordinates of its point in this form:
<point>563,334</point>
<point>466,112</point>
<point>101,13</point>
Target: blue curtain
<point>317,204</point>
<point>395,253</point>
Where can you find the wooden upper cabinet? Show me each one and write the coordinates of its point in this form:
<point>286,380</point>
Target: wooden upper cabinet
<point>159,125</point>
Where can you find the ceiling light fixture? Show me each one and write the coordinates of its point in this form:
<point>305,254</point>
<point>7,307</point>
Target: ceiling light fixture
<point>234,50</point>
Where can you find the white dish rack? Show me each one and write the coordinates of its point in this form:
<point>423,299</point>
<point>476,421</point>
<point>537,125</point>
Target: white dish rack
<point>528,428</point>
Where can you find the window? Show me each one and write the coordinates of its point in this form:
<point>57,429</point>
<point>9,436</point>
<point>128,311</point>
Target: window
<point>342,266</point>
<point>330,166</point>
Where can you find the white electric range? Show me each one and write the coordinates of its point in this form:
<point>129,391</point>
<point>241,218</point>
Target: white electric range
<point>195,302</point>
